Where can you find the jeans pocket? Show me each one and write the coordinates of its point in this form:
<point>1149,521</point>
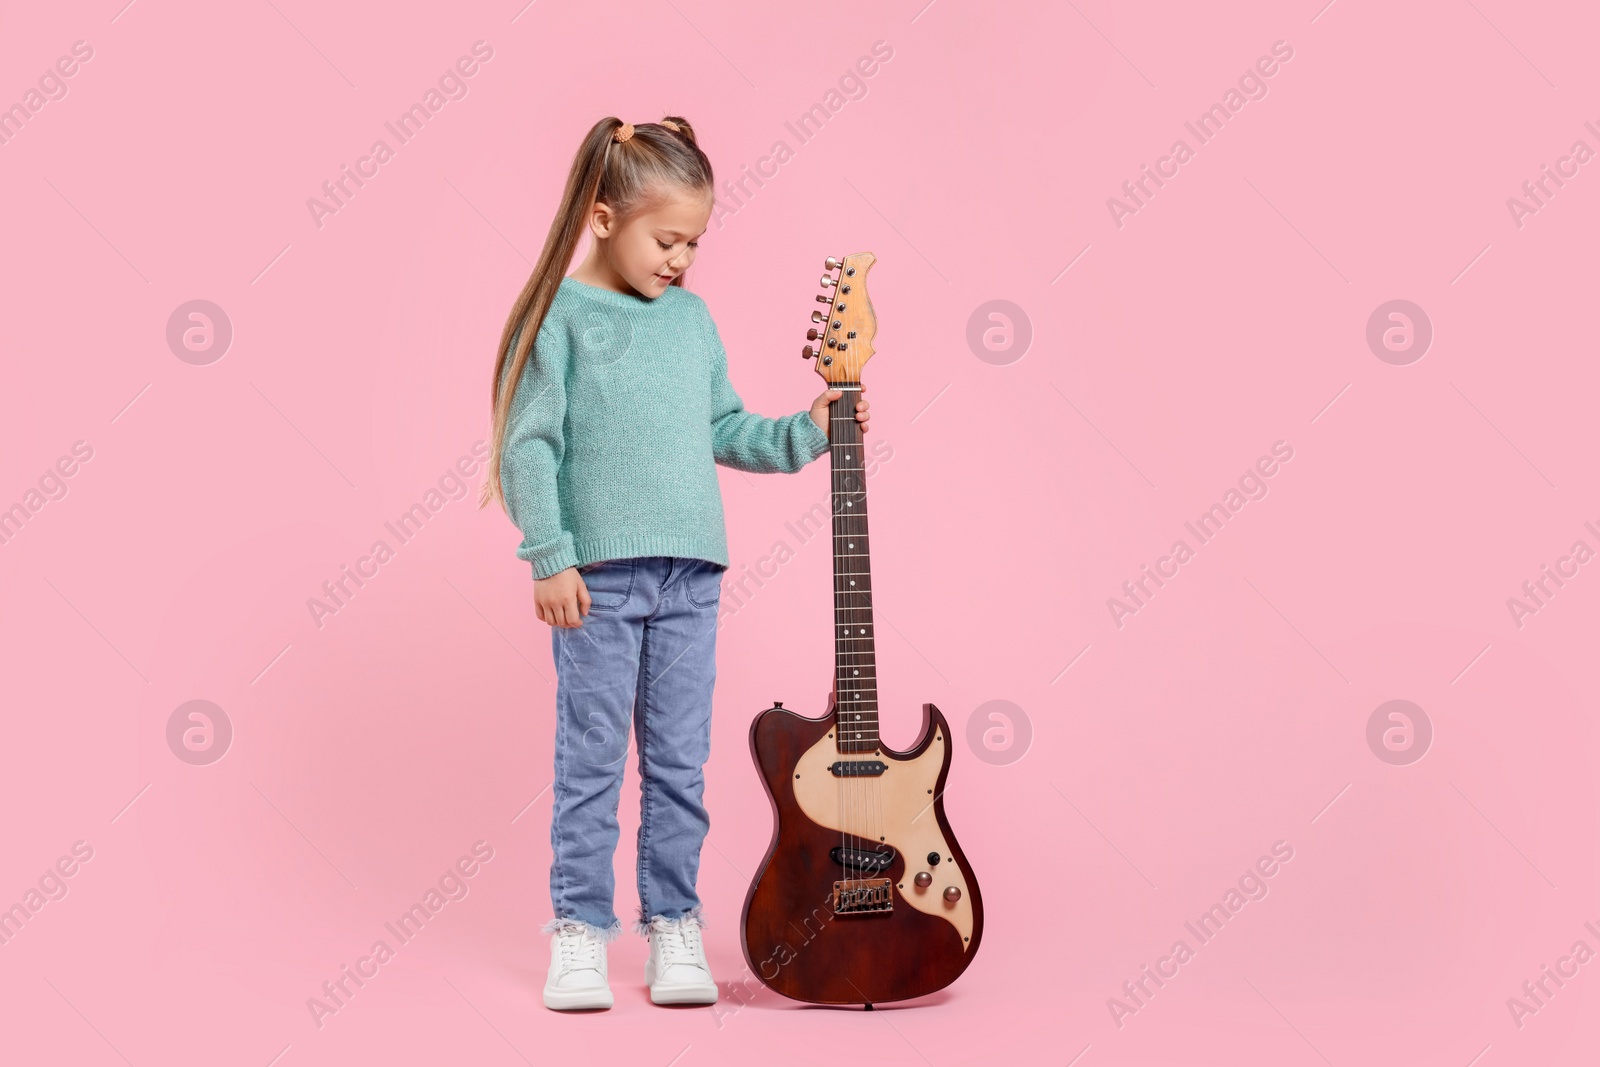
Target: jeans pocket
<point>703,584</point>
<point>609,583</point>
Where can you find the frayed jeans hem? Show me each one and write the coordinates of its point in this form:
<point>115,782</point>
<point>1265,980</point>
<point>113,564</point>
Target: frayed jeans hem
<point>642,924</point>
<point>604,934</point>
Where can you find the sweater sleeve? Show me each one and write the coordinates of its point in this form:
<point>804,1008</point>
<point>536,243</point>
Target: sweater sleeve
<point>532,456</point>
<point>749,442</point>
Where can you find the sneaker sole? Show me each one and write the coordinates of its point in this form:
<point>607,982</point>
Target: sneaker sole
<point>680,993</point>
<point>683,994</point>
<point>578,999</point>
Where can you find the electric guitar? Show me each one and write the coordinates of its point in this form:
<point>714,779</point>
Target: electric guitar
<point>864,895</point>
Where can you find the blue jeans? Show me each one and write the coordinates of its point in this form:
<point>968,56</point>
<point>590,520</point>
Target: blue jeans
<point>645,655</point>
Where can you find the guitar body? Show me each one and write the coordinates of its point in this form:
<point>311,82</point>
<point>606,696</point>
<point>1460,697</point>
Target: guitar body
<point>794,939</point>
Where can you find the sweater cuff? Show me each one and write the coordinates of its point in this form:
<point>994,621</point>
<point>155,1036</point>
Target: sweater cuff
<point>813,440</point>
<point>551,558</point>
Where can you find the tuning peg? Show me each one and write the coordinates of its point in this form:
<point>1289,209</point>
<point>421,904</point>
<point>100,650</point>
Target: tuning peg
<point>827,281</point>
<point>817,316</point>
<point>808,352</point>
<point>812,334</point>
<point>824,299</point>
<point>832,264</point>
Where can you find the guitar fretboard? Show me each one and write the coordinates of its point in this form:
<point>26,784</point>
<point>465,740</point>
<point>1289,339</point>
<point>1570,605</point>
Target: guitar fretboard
<point>856,668</point>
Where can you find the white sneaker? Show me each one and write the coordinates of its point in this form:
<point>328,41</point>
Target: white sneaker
<point>677,972</point>
<point>577,971</point>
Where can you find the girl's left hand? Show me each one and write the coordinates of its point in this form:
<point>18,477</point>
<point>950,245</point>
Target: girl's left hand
<point>819,409</point>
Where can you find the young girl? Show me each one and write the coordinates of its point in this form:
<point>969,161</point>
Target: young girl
<point>611,406</point>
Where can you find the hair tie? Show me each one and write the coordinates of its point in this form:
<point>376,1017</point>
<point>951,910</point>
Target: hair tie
<point>673,126</point>
<point>623,133</point>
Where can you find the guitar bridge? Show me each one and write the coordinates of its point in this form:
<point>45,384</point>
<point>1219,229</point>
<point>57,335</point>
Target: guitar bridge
<point>859,896</point>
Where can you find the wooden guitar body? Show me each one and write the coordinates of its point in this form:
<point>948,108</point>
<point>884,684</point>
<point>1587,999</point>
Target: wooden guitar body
<point>864,895</point>
<point>794,939</point>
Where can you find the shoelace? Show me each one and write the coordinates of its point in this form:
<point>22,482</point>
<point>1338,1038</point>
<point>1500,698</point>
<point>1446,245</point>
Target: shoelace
<point>579,951</point>
<point>680,943</point>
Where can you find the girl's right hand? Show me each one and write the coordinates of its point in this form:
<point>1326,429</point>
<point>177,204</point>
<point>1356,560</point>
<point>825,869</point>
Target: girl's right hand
<point>561,599</point>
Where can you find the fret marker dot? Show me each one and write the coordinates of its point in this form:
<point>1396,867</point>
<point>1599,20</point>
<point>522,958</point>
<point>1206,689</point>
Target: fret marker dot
<point>852,581</point>
<point>859,631</point>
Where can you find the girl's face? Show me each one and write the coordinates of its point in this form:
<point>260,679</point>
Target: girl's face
<point>654,247</point>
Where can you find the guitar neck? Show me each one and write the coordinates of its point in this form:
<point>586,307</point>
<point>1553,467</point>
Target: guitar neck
<point>855,660</point>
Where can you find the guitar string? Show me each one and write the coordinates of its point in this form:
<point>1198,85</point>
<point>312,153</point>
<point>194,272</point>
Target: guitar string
<point>845,516</point>
<point>864,798</point>
<point>841,696</point>
<point>868,787</point>
<point>843,657</point>
<point>852,520</point>
<point>872,787</point>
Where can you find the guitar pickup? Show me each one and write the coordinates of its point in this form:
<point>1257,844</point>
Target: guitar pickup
<point>858,768</point>
<point>861,859</point>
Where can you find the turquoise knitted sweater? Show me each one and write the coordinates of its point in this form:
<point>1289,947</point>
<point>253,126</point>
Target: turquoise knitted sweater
<point>623,410</point>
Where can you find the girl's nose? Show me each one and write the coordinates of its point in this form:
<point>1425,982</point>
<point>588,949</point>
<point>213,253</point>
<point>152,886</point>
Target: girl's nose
<point>681,260</point>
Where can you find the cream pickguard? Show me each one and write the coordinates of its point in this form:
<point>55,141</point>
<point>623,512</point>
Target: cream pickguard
<point>897,806</point>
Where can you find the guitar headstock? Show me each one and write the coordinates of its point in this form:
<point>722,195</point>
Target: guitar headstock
<point>847,328</point>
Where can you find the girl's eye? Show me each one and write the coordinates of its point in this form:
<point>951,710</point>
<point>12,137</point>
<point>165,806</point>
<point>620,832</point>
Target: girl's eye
<point>663,244</point>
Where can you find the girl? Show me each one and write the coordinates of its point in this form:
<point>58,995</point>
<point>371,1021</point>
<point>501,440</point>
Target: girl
<point>611,406</point>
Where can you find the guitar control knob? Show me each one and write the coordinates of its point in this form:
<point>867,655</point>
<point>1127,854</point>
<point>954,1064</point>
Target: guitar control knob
<point>827,281</point>
<point>951,894</point>
<point>923,879</point>
<point>807,352</point>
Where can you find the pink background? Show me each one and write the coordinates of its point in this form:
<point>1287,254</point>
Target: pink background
<point>1163,756</point>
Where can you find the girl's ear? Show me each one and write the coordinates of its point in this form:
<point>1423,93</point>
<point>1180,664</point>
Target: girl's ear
<point>602,220</point>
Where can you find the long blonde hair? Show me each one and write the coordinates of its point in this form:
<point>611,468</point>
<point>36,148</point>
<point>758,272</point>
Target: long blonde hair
<point>628,177</point>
